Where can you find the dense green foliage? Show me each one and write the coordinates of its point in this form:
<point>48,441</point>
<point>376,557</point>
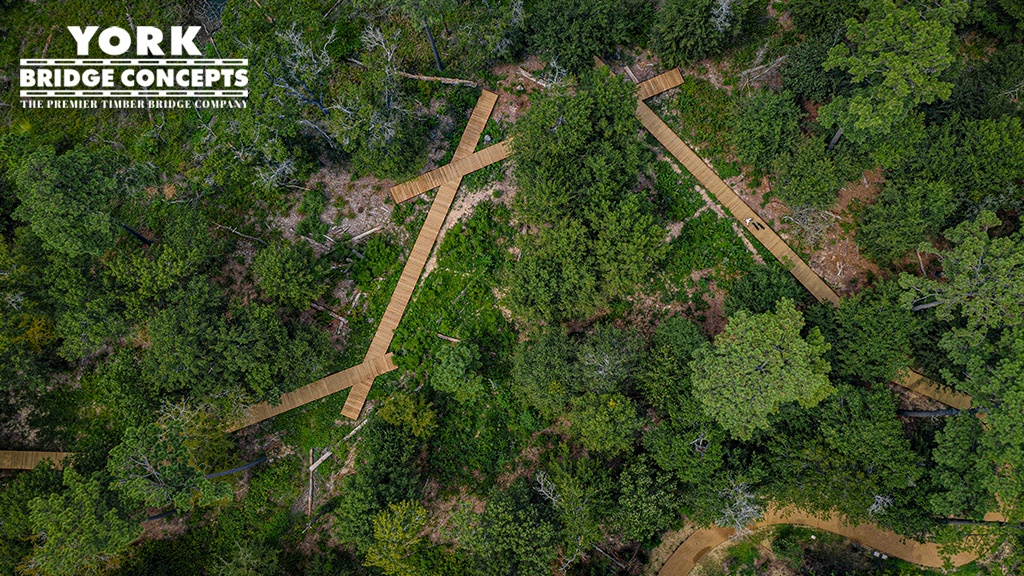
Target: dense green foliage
<point>597,353</point>
<point>757,364</point>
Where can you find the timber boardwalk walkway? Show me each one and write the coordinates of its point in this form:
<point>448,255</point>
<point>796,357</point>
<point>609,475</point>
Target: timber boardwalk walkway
<point>762,231</point>
<point>739,209</point>
<point>424,243</point>
<point>27,460</point>
<point>359,378</point>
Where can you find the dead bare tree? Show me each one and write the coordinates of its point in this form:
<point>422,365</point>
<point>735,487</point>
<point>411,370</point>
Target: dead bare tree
<point>721,15</point>
<point>302,65</point>
<point>375,111</point>
<point>740,509</point>
<point>881,503</point>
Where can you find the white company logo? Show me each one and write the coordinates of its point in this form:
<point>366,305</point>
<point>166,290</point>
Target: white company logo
<point>117,81</point>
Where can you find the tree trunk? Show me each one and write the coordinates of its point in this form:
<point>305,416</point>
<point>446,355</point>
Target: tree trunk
<point>927,413</point>
<point>433,46</point>
<point>936,413</point>
<point>835,139</point>
<point>135,233</point>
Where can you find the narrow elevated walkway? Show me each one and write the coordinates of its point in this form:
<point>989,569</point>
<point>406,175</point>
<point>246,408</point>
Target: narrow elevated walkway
<point>457,169</point>
<point>919,383</point>
<point>765,235</point>
<point>422,247</point>
<point>25,460</point>
<point>322,388</point>
<point>739,209</point>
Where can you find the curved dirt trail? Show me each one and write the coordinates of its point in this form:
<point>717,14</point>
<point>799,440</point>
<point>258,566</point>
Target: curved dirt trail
<point>703,541</point>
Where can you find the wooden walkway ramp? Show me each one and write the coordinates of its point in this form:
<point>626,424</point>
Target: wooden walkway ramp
<point>739,209</point>
<point>424,241</point>
<point>922,385</point>
<point>658,84</point>
<point>767,237</point>
<point>367,371</point>
<point>456,170</point>
<point>26,460</point>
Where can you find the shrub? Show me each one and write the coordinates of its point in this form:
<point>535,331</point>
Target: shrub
<point>768,126</point>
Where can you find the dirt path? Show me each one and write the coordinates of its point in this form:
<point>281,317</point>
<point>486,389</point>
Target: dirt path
<point>703,541</point>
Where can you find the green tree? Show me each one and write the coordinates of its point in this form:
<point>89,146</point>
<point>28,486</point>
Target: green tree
<point>289,274</point>
<point>543,373</point>
<point>515,535</point>
<point>803,72</point>
<point>26,327</point>
<point>628,247</point>
<point>687,30</point>
<point>556,276</point>
<point>67,199</point>
<point>572,32</point>
<point>78,531</point>
<point>903,217</point>
<point>822,18</point>
<point>162,464</point>
<point>962,476</point>
<point>455,373</point>
<point>577,157</point>
<point>873,337</point>
<point>389,473</point>
<point>767,126</point>
<point>16,529</point>
<point>899,53</point>
<point>848,455</point>
<point>983,277</point>
<point>808,176</point>
<point>645,504</point>
<point>665,376</point>
<point>604,423</point>
<point>757,364</point>
<point>411,413</point>
<point>396,537</point>
<point>576,153</point>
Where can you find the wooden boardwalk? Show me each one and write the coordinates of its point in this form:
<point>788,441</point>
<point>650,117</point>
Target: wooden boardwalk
<point>761,230</point>
<point>457,169</point>
<point>26,460</point>
<point>423,245</point>
<point>739,209</point>
<point>367,371</point>
<point>659,84</point>
<point>925,387</point>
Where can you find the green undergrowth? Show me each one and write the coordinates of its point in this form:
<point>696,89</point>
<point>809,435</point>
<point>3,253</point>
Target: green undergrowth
<point>676,195</point>
<point>456,299</point>
<point>702,116</point>
<point>314,202</point>
<point>707,241</point>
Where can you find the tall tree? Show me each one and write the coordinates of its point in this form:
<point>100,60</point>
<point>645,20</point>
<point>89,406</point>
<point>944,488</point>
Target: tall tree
<point>898,54</point>
<point>983,277</point>
<point>67,199</point>
<point>396,537</point>
<point>757,364</point>
<point>78,531</point>
<point>289,274</point>
<point>164,463</point>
